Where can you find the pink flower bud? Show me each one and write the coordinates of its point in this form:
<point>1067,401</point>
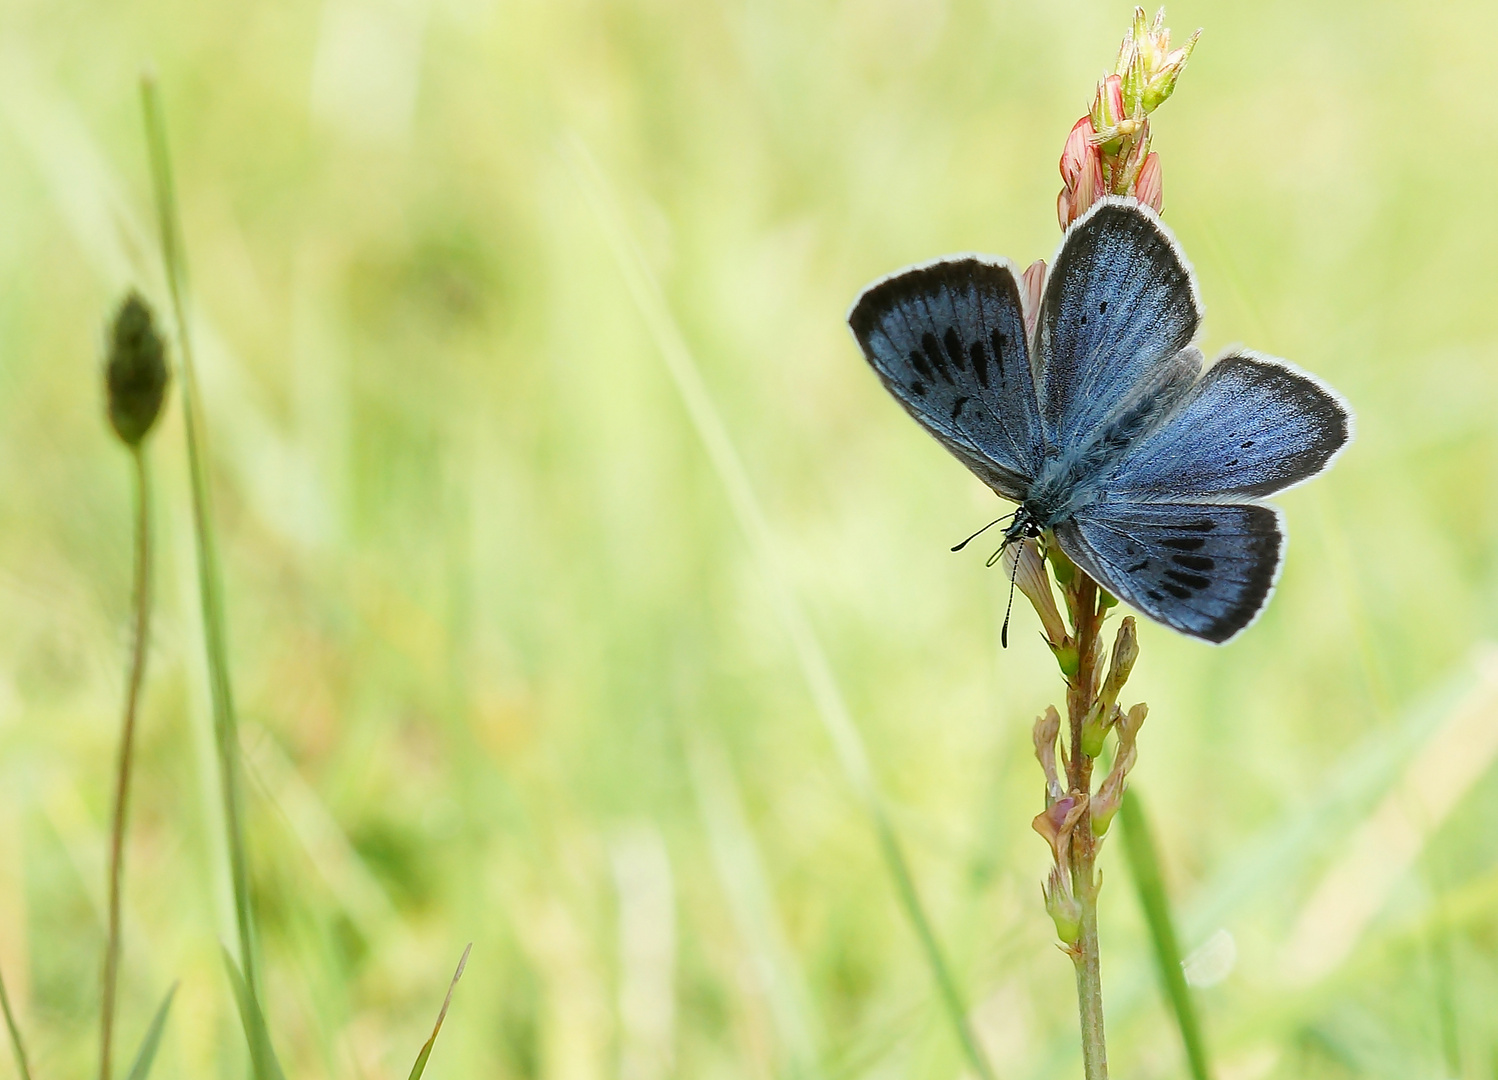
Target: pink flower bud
<point>1077,155</point>
<point>1147,188</point>
<point>1081,172</point>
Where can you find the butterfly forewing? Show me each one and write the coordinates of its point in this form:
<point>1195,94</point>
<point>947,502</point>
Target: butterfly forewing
<point>1119,303</point>
<point>1252,426</point>
<point>948,340</point>
<point>1203,569</point>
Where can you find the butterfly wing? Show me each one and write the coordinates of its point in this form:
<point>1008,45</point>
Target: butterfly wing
<point>947,339</point>
<point>1252,426</point>
<point>1119,305</point>
<point>1169,535</point>
<point>1203,569</point>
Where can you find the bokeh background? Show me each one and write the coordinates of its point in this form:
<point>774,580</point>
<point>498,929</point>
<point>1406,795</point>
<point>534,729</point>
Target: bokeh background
<point>513,671</point>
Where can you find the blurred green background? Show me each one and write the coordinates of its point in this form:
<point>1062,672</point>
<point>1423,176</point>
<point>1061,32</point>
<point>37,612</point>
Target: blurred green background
<point>511,671</point>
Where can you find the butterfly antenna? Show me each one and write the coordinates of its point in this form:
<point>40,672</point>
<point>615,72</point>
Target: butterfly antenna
<point>1009,607</point>
<point>981,531</point>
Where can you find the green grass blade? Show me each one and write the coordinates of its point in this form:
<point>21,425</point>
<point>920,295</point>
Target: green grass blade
<point>1447,990</point>
<point>751,903</point>
<point>225,724</point>
<point>827,695</point>
<point>1144,864</point>
<point>262,1055</point>
<point>16,1046</point>
<point>148,1046</point>
<point>426,1048</point>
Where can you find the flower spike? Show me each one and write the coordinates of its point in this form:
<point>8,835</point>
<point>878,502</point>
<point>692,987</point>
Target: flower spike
<point>1116,126</point>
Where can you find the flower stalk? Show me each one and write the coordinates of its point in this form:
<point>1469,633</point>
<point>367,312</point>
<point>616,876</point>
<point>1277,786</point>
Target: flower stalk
<point>135,378</point>
<point>1076,817</point>
<point>1107,152</point>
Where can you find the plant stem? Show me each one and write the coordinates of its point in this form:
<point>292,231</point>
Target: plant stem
<point>225,725</point>
<point>1087,960</point>
<point>1081,692</point>
<point>127,751</point>
<point>18,1048</point>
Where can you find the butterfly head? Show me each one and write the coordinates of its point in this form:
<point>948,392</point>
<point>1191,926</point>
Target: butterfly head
<point>1025,526</point>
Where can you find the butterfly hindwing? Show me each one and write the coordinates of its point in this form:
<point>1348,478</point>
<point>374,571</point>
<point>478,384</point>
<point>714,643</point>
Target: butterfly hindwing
<point>1205,569</point>
<point>947,339</point>
<point>1250,427</point>
<point>1120,302</point>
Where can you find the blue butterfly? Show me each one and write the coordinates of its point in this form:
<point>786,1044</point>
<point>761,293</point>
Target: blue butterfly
<point>1100,423</point>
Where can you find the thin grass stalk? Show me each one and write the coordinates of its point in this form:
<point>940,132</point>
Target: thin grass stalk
<point>17,1047</point>
<point>225,724</point>
<point>145,1057</point>
<point>915,910</point>
<point>1144,866</point>
<point>831,707</point>
<point>126,759</point>
<point>426,1048</point>
<point>1444,978</point>
<point>751,905</point>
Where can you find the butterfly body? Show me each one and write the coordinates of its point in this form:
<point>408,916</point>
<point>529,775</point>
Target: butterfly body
<point>1099,421</point>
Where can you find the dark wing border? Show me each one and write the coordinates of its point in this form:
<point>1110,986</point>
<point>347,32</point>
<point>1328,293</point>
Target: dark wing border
<point>1349,418</point>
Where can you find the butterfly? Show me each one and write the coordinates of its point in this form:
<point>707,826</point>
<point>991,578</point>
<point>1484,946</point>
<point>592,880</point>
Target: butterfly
<point>1100,422</point>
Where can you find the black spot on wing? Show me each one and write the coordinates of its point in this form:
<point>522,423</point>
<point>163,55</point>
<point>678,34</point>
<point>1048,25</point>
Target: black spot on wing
<point>979,357</point>
<point>934,356</point>
<point>1191,581</point>
<point>998,341</point>
<point>954,348</point>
